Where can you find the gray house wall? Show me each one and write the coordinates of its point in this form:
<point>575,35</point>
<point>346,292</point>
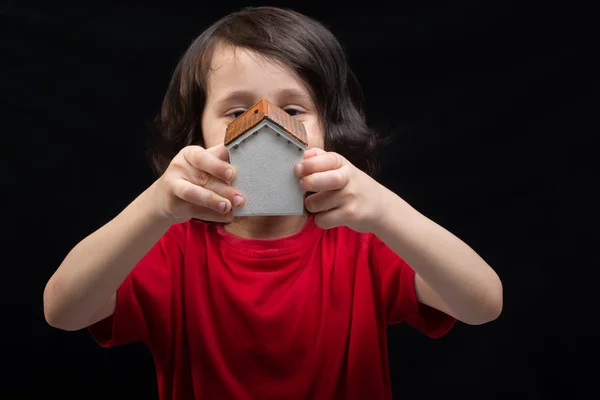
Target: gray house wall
<point>265,171</point>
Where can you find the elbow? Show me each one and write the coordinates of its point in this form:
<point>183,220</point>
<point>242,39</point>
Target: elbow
<point>484,315</point>
<point>54,320</point>
<point>52,311</point>
<point>490,306</point>
<point>51,314</point>
<point>492,310</point>
<point>495,300</point>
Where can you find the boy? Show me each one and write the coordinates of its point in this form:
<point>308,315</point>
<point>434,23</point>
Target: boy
<point>290,307</point>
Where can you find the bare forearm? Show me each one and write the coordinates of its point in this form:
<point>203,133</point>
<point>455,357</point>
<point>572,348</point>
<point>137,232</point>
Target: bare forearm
<point>93,270</point>
<point>459,276</point>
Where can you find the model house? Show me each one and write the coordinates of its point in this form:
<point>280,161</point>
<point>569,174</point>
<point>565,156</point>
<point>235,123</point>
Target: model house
<point>264,144</point>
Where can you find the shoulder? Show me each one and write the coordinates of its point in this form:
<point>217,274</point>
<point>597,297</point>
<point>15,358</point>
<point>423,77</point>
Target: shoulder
<point>345,233</point>
<point>369,248</point>
<point>188,236</point>
<point>170,248</point>
<point>166,257</point>
<point>176,237</point>
<point>349,240</point>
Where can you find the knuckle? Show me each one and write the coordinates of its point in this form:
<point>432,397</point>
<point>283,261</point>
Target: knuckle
<point>339,161</point>
<point>184,192</point>
<point>203,179</point>
<point>184,154</point>
<point>350,196</point>
<point>177,161</point>
<point>181,153</point>
<point>192,153</point>
<point>211,199</point>
<point>193,148</point>
<point>307,183</point>
<point>350,212</point>
<point>170,185</point>
<point>217,190</point>
<point>198,155</point>
<point>339,178</point>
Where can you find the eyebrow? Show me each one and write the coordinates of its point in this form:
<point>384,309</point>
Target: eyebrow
<point>247,97</point>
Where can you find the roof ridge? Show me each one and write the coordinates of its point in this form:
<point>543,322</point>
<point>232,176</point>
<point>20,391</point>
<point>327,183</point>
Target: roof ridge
<point>265,110</point>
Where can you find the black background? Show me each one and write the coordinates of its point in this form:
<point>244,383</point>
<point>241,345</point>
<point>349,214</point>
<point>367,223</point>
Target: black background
<point>493,107</point>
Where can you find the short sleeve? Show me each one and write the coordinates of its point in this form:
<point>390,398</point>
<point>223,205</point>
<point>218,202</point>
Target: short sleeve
<point>144,297</point>
<point>397,280</point>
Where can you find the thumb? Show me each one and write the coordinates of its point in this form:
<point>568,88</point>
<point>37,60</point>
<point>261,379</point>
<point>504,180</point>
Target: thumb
<point>220,151</point>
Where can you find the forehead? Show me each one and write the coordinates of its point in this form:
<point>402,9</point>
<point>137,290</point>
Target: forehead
<point>234,69</point>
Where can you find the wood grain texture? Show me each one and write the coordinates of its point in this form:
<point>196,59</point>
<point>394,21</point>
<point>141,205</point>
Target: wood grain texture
<point>265,110</point>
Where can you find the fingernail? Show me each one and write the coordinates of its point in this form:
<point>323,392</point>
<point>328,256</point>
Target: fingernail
<point>228,174</point>
<point>237,200</point>
<point>301,183</point>
<point>299,169</point>
<point>222,206</point>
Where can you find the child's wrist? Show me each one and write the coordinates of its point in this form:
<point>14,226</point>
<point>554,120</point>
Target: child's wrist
<point>150,207</point>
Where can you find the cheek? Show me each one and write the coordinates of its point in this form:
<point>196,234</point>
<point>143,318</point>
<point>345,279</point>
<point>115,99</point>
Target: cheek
<point>212,133</point>
<point>316,138</point>
<point>212,140</point>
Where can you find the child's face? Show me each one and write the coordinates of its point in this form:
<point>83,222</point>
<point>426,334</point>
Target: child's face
<point>239,78</point>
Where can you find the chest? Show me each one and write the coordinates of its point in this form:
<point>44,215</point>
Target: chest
<point>275,310</point>
<point>304,324</point>
<point>279,317</point>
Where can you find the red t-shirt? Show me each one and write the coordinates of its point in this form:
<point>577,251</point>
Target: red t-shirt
<point>300,317</point>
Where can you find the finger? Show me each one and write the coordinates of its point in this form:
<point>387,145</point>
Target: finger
<point>208,162</point>
<point>323,201</point>
<point>319,163</point>
<point>322,181</point>
<point>220,151</point>
<point>330,219</point>
<point>199,196</point>
<point>313,151</point>
<point>221,188</point>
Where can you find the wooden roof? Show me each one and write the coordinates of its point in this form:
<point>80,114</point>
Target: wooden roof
<point>265,110</point>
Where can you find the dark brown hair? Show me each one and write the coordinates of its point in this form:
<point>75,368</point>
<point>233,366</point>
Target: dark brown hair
<point>285,36</point>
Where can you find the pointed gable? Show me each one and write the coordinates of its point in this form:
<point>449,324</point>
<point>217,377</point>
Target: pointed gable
<point>259,112</point>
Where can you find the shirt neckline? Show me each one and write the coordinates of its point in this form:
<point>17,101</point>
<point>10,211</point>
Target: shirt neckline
<point>267,248</point>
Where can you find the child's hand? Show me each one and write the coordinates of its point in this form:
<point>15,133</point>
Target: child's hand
<point>197,184</point>
<point>345,195</point>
